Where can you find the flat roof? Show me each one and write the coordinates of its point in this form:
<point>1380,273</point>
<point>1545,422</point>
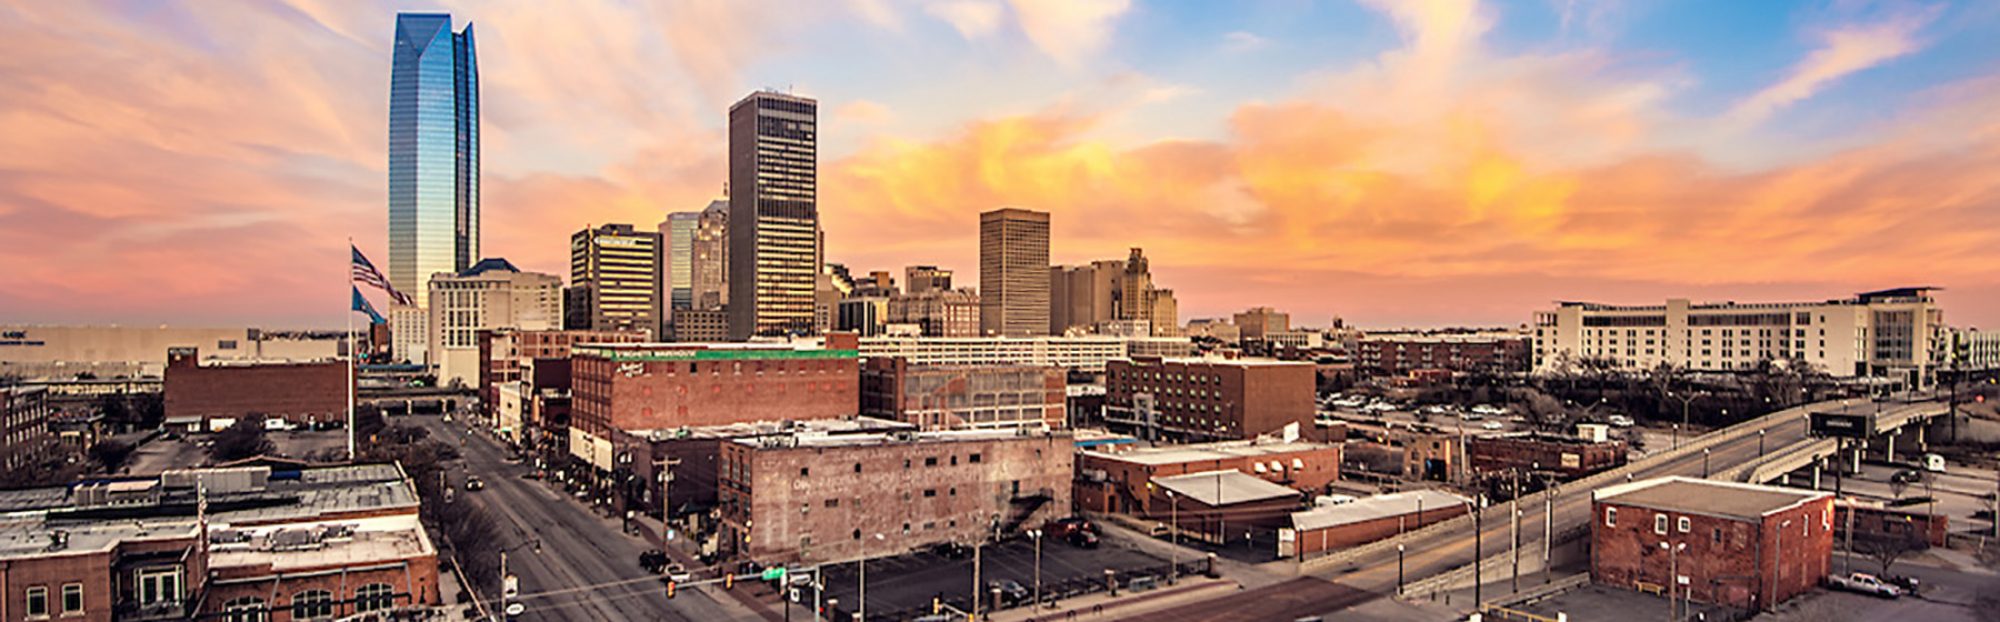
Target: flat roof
<point>1231,362</point>
<point>318,545</point>
<point>765,428</point>
<point>708,351</point>
<point>1708,497</point>
<point>809,440</point>
<point>1225,487</point>
<point>1225,450</point>
<point>1375,507</point>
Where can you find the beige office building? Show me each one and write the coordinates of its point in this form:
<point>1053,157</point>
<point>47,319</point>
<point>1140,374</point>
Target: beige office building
<point>491,294</point>
<point>1895,333</point>
<point>1257,322</point>
<point>619,267</point>
<point>1014,272</point>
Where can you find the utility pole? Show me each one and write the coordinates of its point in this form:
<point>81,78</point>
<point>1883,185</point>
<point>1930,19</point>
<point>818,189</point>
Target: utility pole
<point>1514,530</point>
<point>1548,528</point>
<point>1478,549</point>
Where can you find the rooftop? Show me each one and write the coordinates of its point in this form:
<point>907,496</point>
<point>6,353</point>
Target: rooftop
<point>1371,508</point>
<point>821,440</point>
<point>1708,497</point>
<point>1225,487</point>
<point>707,351</point>
<point>1227,362</point>
<point>1225,450</point>
<point>767,428</point>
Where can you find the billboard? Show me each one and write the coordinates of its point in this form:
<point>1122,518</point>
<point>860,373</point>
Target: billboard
<point>1842,425</point>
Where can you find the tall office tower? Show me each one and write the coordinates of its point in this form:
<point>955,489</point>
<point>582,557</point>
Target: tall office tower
<point>433,151</point>
<point>614,274</point>
<point>1166,320</point>
<point>711,257</point>
<point>1135,297</point>
<point>774,237</point>
<point>677,235</point>
<point>921,279</point>
<point>1014,272</point>
<point>1084,297</point>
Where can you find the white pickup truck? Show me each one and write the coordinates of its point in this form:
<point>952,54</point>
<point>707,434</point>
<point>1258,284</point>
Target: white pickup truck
<point>1864,583</point>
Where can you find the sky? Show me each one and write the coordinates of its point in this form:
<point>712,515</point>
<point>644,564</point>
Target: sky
<point>1394,163</point>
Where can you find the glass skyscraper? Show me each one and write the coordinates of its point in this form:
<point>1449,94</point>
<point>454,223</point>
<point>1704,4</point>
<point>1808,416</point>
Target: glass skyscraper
<point>433,151</point>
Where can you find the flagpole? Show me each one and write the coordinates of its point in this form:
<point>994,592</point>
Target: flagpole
<point>350,355</point>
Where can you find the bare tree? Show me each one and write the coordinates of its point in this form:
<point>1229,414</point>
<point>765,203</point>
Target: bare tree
<point>1884,548</point>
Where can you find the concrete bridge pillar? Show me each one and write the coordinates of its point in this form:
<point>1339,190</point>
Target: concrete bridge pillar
<point>1785,480</point>
<point>1922,444</point>
<point>1892,444</point>
<point>1857,459</point>
<point>1816,476</point>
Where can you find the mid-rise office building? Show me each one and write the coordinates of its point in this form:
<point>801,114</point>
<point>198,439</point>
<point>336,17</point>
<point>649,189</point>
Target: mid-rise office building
<point>809,498</point>
<point>1742,545</point>
<point>1014,273</point>
<point>774,234</point>
<point>955,397</point>
<point>490,295</point>
<point>409,334</point>
<point>305,394</point>
<point>433,150</point>
<point>1973,350</point>
<point>863,316</point>
<point>1256,322</point>
<point>1084,297</point>
<point>918,280</point>
<point>938,312</point>
<point>619,267</point>
<point>677,236</point>
<point>709,266</point>
<point>1207,399</point>
<point>507,353</point>
<point>1894,333</point>
<point>700,325</point>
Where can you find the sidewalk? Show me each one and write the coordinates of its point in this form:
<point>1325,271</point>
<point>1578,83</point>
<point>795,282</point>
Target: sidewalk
<point>1126,604</point>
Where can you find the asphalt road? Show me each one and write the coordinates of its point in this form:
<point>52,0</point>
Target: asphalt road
<point>586,569</point>
<point>907,582</point>
<point>1439,553</point>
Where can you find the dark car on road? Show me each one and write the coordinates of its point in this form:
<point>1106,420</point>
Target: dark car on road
<point>1063,527</point>
<point>653,561</point>
<point>951,550</point>
<point>1011,591</point>
<point>1082,539</point>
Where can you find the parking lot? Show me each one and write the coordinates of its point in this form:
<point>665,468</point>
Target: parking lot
<point>901,588</point>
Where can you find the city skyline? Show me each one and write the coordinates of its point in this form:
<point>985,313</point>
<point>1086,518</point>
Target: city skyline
<point>1413,164</point>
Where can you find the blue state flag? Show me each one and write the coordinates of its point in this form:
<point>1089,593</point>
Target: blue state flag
<point>361,304</point>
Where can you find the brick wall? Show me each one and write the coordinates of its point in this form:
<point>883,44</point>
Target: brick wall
<point>1214,400</point>
<point>1343,536</point>
<point>657,395</point>
<point>1123,489</point>
<point>301,393</point>
<point>807,503</point>
<point>413,581</point>
<point>1738,562</point>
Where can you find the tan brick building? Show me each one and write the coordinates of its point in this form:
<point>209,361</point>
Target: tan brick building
<point>1205,399</point>
<point>810,498</point>
<point>948,397</point>
<point>1115,481</point>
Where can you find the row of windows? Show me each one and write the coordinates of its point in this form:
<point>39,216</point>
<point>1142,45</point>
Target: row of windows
<point>311,604</point>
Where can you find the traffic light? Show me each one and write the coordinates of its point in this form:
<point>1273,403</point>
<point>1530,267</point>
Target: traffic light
<point>729,581</point>
<point>672,586</point>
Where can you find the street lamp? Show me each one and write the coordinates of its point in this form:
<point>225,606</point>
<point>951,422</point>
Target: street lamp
<point>1399,568</point>
<point>1174,531</point>
<point>1704,463</point>
<point>1673,573</point>
<point>1037,535</point>
<point>1760,443</point>
<point>1686,399</point>
<point>861,602</point>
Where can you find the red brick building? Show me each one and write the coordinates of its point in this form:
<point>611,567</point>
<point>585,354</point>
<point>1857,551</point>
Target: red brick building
<point>1567,457</point>
<point>302,393</point>
<point>1740,545</point>
<point>1213,505</point>
<point>24,419</point>
<point>1334,527</point>
<point>1206,399</point>
<point>505,354</point>
<point>313,544</point>
<point>810,498</point>
<point>1116,481</point>
<point>951,397</point>
<point>1401,353</point>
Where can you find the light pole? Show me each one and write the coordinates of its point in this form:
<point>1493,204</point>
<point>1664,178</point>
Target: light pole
<point>1399,569</point>
<point>1686,399</point>
<point>1478,549</point>
<point>1760,443</point>
<point>1704,463</point>
<point>1174,531</point>
<point>861,601</point>
<point>1037,535</point>
<point>1673,573</point>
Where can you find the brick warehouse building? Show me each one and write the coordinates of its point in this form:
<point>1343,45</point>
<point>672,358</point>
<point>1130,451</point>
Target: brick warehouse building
<point>280,546</point>
<point>1566,457</point>
<point>24,419</point>
<point>505,354</point>
<point>1343,525</point>
<point>302,393</point>
<point>1204,399</point>
<point>1402,353</point>
<point>945,397</point>
<point>1115,481</point>
<point>811,498</point>
<point>1746,546</point>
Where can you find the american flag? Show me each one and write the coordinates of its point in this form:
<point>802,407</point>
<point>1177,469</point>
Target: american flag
<point>366,274</point>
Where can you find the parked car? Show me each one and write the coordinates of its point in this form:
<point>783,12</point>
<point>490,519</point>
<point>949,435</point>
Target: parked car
<point>1471,416</point>
<point>1493,425</point>
<point>653,561</point>
<point>1063,527</point>
<point>951,550</point>
<point>1906,476</point>
<point>1934,463</point>
<point>1488,409</point>
<point>1621,421</point>
<point>472,482</point>
<point>1082,539</point>
<point>1864,583</point>
<point>1011,591</point>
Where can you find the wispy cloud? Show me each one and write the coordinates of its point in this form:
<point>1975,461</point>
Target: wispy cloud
<point>1843,51</point>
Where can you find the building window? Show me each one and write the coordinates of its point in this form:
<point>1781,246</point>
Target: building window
<point>1684,524</point>
<point>804,471</point>
<point>38,602</point>
<point>930,492</point>
<point>1718,536</point>
<point>1660,524</point>
<point>857,467</point>
<point>374,597</point>
<point>1611,517</point>
<point>312,605</point>
<point>159,585</point>
<point>245,609</point>
<point>931,461</point>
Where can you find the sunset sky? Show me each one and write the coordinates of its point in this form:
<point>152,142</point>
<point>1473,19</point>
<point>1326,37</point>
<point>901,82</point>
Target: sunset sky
<point>1394,163</point>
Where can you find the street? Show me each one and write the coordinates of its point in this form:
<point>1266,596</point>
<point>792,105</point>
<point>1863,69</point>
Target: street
<point>586,568</point>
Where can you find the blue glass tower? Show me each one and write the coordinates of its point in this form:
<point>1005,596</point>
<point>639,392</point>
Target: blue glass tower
<point>433,151</point>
